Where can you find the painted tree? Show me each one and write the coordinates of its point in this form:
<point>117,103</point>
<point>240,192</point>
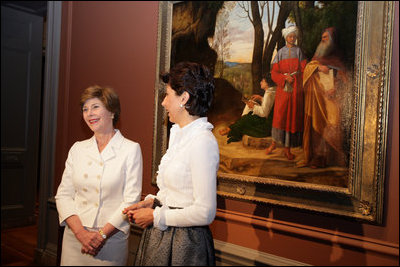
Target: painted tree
<point>221,42</point>
<point>193,22</point>
<point>252,11</point>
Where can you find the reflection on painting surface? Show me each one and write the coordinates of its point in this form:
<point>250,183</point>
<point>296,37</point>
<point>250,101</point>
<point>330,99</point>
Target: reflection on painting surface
<point>266,124</point>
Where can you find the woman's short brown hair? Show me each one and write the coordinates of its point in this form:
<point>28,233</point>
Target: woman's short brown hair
<point>197,80</point>
<point>107,96</point>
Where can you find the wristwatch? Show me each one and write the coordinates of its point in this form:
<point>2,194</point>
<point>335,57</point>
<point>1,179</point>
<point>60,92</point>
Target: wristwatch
<point>103,235</point>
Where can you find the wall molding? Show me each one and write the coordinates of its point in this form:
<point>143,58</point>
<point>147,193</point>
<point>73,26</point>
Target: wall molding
<point>225,253</point>
<point>234,255</point>
<point>325,235</point>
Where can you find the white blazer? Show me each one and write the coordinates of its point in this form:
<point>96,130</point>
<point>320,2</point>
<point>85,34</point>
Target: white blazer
<point>98,186</point>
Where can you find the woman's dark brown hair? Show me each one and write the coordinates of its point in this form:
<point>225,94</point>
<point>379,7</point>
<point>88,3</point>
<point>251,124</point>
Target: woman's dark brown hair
<point>197,80</point>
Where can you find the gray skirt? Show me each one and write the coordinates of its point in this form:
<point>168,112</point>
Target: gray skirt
<point>176,246</point>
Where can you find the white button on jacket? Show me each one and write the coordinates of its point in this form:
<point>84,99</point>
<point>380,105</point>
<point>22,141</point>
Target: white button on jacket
<point>98,186</point>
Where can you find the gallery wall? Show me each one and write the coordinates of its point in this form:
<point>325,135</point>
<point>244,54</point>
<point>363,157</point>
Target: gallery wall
<point>112,44</point>
<point>115,44</point>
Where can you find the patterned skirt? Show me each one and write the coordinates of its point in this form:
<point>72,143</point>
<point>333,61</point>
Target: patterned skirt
<point>176,246</point>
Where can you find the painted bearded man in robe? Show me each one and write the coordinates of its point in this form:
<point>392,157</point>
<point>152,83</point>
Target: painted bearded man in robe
<point>324,81</point>
<point>287,72</point>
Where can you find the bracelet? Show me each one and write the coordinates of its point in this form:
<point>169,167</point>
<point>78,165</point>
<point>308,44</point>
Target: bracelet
<point>103,235</point>
<point>156,203</point>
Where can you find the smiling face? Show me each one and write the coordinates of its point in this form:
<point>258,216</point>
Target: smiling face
<point>172,103</point>
<point>96,116</point>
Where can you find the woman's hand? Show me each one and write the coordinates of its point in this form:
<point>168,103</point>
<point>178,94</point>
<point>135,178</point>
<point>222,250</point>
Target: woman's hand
<point>148,203</point>
<point>91,242</point>
<point>142,217</point>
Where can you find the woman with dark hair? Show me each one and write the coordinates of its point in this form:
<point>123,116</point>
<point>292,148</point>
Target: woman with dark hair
<point>102,176</point>
<point>176,219</point>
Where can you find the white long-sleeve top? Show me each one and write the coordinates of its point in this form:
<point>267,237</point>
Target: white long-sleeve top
<point>98,186</point>
<point>187,177</point>
<point>264,109</point>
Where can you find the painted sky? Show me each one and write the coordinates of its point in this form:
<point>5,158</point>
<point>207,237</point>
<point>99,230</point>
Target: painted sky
<point>241,32</point>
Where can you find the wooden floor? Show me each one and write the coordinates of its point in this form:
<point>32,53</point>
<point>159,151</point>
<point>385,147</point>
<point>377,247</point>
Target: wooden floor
<point>18,246</point>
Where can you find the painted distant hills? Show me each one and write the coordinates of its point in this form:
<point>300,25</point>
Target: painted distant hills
<point>239,75</point>
<point>231,64</point>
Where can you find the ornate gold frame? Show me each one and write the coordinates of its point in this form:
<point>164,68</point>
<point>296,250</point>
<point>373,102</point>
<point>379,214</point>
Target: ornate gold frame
<point>364,197</point>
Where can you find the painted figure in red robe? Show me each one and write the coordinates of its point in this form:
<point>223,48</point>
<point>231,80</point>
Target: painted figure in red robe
<point>287,72</point>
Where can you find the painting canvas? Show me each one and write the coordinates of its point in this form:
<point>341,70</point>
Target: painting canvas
<point>238,41</point>
<point>236,76</point>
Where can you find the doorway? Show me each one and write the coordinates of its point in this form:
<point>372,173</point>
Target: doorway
<point>23,55</point>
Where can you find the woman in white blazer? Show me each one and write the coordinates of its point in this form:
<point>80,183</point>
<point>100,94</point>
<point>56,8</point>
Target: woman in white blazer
<point>102,176</point>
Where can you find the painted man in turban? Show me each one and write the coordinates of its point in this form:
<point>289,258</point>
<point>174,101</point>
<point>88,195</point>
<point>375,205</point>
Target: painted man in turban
<point>324,81</point>
<point>287,72</point>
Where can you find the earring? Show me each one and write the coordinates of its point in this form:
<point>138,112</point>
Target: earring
<point>181,105</point>
<point>112,116</point>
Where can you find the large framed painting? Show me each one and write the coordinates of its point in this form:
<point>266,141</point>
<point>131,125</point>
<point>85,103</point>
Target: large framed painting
<point>333,160</point>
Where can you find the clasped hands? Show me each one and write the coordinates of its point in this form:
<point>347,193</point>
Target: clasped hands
<point>141,213</point>
<point>92,242</point>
